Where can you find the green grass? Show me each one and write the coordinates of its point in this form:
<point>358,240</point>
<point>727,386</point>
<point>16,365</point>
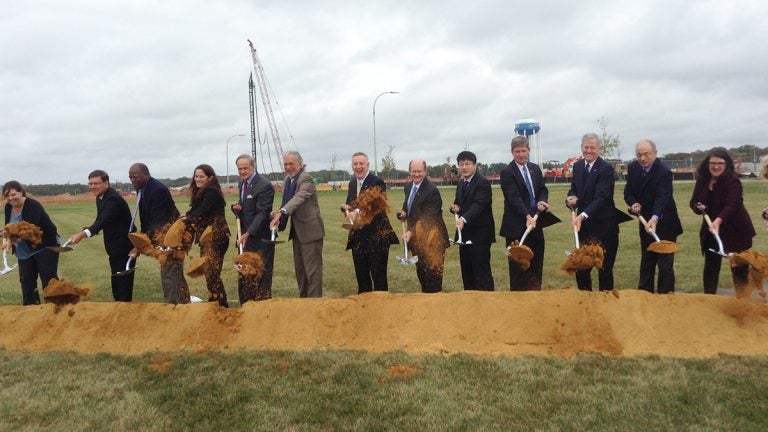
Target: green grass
<point>348,390</point>
<point>354,391</point>
<point>87,265</point>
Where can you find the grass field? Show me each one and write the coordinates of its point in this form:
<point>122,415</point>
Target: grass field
<point>347,390</point>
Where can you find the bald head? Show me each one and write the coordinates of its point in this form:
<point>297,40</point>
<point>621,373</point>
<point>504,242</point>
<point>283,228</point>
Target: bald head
<point>418,170</point>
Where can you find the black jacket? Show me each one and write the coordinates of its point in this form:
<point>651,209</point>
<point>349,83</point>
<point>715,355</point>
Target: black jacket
<point>33,212</point>
<point>113,216</point>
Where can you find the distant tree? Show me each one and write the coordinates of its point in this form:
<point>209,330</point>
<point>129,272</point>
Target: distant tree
<point>388,164</point>
<point>495,168</point>
<point>611,142</point>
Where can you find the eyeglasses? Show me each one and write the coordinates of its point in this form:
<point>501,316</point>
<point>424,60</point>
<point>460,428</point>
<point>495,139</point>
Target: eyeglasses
<point>716,163</point>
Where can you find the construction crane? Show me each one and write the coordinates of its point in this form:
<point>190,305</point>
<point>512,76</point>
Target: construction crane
<point>265,100</point>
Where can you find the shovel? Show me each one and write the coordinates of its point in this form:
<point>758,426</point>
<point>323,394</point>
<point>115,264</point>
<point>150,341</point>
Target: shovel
<point>405,260</point>
<point>658,246</point>
<point>271,240</point>
<point>63,248</point>
<point>582,258</point>
<point>720,250</point>
<point>520,253</point>
<point>6,268</point>
<point>459,242</point>
<point>128,270</point>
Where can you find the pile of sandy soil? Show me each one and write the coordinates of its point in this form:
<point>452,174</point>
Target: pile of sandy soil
<point>551,323</point>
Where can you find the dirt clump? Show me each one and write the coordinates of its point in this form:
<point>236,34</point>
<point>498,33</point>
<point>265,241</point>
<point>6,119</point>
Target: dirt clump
<point>61,293</point>
<point>758,271</point>
<point>249,264</point>
<point>584,258</point>
<point>663,247</point>
<point>521,254</point>
<point>24,231</point>
<point>371,202</point>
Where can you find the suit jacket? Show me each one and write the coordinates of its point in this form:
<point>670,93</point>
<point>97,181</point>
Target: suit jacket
<point>156,207</point>
<point>256,205</point>
<point>517,198</point>
<point>113,216</point>
<point>379,233</point>
<point>32,211</point>
<point>476,203</point>
<point>726,201</point>
<point>595,193</point>
<point>427,209</point>
<point>653,191</point>
<point>306,222</point>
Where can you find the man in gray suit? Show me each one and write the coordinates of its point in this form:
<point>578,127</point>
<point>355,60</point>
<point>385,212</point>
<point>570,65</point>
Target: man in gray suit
<point>253,208</point>
<point>307,229</point>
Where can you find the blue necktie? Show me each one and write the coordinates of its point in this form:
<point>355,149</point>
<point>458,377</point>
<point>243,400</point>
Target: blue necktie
<point>531,197</point>
<point>414,188</point>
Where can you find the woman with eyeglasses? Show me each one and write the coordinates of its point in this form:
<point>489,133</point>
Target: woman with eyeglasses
<point>718,194</point>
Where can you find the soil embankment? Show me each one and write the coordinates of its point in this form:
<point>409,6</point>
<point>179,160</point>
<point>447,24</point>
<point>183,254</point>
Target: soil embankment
<point>551,323</point>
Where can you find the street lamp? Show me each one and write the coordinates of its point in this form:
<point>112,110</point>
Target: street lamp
<point>238,135</point>
<point>375,158</point>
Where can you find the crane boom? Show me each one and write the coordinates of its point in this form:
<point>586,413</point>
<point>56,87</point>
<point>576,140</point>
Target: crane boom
<point>265,100</point>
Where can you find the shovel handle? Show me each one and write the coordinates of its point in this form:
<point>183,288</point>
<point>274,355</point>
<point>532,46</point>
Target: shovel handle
<point>645,224</point>
<point>708,220</point>
<point>529,228</point>
<point>575,231</point>
<point>239,234</point>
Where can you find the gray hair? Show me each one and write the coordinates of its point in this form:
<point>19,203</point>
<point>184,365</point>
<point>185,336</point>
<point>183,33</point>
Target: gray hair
<point>295,154</point>
<point>650,142</point>
<point>591,136</point>
<point>250,159</point>
<point>360,154</point>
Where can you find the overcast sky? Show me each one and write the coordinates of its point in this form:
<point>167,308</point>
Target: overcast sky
<point>103,84</point>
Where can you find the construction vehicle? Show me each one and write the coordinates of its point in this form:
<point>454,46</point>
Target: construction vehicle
<point>552,168</point>
<point>259,70</point>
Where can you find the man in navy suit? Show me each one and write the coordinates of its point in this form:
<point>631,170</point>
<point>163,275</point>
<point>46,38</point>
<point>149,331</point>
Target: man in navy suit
<point>427,234</point>
<point>156,211</point>
<point>648,192</point>
<point>113,217</point>
<point>473,204</point>
<point>253,207</point>
<point>524,195</point>
<point>591,194</point>
<point>369,243</point>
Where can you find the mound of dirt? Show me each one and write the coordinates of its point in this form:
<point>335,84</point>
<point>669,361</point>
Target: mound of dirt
<point>549,323</point>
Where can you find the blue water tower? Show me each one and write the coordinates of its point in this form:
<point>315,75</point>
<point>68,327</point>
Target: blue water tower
<point>530,128</point>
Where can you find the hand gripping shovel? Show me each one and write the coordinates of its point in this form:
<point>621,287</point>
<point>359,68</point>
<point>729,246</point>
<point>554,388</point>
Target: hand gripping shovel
<point>349,224</point>
<point>658,246</point>
<point>520,253</point>
<point>405,260</point>
<point>459,242</point>
<point>128,270</point>
<point>720,250</point>
<point>6,268</point>
<point>63,248</point>
<point>271,240</point>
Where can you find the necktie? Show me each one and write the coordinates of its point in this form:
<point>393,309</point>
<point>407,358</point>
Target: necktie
<point>359,186</point>
<point>466,185</point>
<point>287,195</point>
<point>411,197</point>
<point>589,168</point>
<point>135,211</point>
<point>242,192</point>
<point>531,197</point>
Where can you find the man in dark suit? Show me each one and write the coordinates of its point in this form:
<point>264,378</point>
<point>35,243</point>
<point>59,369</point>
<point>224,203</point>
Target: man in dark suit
<point>253,207</point>
<point>307,229</point>
<point>473,204</point>
<point>524,195</point>
<point>426,233</point>
<point>591,194</point>
<point>156,211</point>
<point>370,242</point>
<point>113,217</point>
<point>648,192</point>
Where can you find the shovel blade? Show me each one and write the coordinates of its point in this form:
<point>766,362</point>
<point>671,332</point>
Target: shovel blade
<point>125,272</point>
<point>347,226</point>
<point>7,270</point>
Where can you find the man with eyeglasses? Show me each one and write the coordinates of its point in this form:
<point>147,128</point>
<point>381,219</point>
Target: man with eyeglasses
<point>648,192</point>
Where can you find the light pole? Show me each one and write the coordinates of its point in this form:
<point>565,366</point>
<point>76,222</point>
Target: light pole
<point>238,135</point>
<point>375,158</point>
